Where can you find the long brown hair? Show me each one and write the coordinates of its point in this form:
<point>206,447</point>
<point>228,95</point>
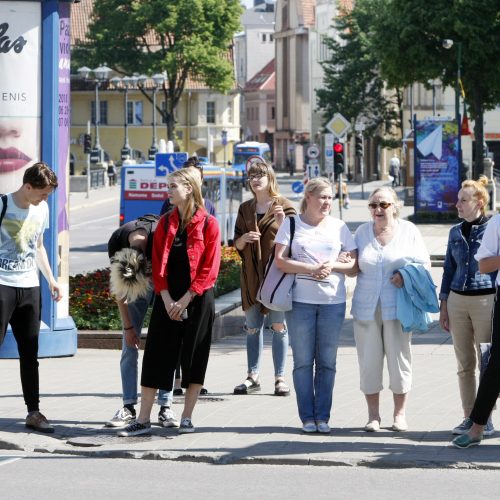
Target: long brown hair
<point>189,177</point>
<point>265,169</point>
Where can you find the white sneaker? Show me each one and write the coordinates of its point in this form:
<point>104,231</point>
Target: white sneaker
<point>121,418</point>
<point>323,427</point>
<point>166,417</point>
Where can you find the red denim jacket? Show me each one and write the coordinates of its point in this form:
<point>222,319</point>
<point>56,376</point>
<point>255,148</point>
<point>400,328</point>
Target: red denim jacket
<point>203,249</point>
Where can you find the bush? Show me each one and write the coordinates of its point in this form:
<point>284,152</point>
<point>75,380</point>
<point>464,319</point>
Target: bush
<point>94,308</point>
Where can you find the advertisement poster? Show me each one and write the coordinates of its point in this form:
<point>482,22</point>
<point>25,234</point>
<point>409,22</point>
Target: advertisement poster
<point>437,171</point>
<point>63,123</point>
<point>20,82</point>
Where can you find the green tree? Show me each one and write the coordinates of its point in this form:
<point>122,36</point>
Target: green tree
<point>407,38</point>
<point>185,38</point>
<point>352,82</point>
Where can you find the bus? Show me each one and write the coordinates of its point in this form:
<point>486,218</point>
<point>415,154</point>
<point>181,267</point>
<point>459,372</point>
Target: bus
<point>244,150</point>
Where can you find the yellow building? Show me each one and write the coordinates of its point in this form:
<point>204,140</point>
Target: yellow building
<point>201,114</point>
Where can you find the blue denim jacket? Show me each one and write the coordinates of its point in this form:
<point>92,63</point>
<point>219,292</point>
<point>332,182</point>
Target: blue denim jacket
<point>461,270</point>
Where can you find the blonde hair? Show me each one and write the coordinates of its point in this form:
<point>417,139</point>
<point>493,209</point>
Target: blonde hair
<point>397,203</point>
<point>314,185</point>
<point>189,177</point>
<point>265,169</point>
<point>479,191</point>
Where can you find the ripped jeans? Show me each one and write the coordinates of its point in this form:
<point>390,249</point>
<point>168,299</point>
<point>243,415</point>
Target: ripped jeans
<point>254,327</point>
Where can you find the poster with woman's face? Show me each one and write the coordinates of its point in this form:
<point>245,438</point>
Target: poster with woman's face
<point>20,109</point>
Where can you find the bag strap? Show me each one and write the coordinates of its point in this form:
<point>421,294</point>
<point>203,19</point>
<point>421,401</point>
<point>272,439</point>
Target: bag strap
<point>292,233</point>
<point>4,208</point>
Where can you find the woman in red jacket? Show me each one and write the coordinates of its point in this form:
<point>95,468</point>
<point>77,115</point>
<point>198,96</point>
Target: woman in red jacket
<point>186,259</point>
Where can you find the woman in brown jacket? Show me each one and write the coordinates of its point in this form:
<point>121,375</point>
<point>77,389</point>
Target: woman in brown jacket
<point>256,226</point>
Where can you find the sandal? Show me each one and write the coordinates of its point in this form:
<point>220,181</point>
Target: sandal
<point>280,388</point>
<point>250,385</point>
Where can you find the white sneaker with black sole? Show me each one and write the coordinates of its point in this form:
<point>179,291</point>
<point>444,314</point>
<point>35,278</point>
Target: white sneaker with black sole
<point>186,426</point>
<point>135,429</point>
<point>166,417</point>
<point>121,418</point>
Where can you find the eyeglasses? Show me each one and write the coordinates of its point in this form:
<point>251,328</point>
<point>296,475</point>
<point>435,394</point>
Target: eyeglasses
<point>384,205</point>
<point>255,177</point>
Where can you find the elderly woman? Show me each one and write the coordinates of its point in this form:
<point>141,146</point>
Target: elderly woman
<point>319,299</point>
<point>466,295</point>
<point>384,245</point>
<point>488,257</point>
<point>256,225</point>
<point>186,259</point>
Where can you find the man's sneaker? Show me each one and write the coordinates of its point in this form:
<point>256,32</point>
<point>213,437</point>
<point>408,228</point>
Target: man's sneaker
<point>463,428</point>
<point>186,426</point>
<point>122,418</point>
<point>37,421</point>
<point>166,417</point>
<point>135,429</point>
<point>489,430</point>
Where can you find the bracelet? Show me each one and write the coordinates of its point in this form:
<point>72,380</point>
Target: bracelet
<point>129,328</point>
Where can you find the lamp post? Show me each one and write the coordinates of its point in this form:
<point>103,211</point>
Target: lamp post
<point>128,82</point>
<point>158,80</point>
<point>101,74</point>
<point>448,44</point>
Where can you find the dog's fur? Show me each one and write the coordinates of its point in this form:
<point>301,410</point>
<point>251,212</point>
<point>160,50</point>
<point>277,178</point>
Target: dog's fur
<point>128,277</point>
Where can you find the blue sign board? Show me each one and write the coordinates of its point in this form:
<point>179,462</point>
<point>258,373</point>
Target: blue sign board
<point>298,187</point>
<point>168,162</point>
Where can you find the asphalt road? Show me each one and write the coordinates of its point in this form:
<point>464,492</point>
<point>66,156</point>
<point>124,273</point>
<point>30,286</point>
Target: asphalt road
<point>54,477</point>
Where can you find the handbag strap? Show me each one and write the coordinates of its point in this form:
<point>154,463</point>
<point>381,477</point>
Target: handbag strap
<point>4,207</point>
<point>292,233</point>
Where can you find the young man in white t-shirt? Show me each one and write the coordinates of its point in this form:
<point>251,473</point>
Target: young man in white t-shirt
<point>22,255</point>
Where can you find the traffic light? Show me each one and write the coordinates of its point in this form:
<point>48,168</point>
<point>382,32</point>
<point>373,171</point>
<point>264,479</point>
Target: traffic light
<point>338,158</point>
<point>359,145</point>
<point>87,143</point>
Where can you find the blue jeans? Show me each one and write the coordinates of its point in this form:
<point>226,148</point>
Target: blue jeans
<point>130,356</point>
<point>314,337</point>
<point>254,326</point>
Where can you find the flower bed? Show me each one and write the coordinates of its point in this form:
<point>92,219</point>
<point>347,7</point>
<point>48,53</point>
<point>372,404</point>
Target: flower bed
<point>92,306</point>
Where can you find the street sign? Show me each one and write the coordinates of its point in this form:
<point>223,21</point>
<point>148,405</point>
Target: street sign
<point>313,151</point>
<point>359,127</point>
<point>223,135</point>
<point>168,162</point>
<point>338,125</point>
<point>313,169</point>
<point>297,187</point>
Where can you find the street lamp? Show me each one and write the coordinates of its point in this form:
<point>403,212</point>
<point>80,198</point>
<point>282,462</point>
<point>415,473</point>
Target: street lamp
<point>128,82</point>
<point>448,44</point>
<point>158,81</point>
<point>101,74</point>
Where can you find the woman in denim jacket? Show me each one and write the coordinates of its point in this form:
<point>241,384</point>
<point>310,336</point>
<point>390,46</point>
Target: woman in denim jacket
<point>466,295</point>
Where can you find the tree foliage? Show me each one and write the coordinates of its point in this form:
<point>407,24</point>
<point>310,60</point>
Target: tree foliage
<point>407,37</point>
<point>352,84</point>
<point>185,38</point>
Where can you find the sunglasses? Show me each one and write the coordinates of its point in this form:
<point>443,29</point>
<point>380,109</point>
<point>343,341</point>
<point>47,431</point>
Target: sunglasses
<point>384,205</point>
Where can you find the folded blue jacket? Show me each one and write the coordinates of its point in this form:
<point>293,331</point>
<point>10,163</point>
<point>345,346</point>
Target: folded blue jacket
<point>416,299</point>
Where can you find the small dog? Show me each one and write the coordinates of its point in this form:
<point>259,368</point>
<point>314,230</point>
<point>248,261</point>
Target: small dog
<point>130,276</point>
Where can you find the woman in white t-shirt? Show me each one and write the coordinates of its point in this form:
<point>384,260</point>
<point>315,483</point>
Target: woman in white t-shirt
<point>319,299</point>
<point>384,244</point>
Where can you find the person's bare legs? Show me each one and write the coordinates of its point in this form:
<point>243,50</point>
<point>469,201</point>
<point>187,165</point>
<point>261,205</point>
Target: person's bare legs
<point>373,401</point>
<point>192,393</point>
<point>147,400</point>
<point>400,404</point>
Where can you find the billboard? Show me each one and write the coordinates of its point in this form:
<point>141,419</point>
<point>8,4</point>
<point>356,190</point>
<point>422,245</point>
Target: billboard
<point>437,165</point>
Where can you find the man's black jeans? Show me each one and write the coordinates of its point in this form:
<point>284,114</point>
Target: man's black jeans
<point>21,308</point>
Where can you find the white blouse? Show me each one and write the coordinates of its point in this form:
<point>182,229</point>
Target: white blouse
<point>377,264</point>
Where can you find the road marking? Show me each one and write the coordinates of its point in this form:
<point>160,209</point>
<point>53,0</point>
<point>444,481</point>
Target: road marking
<point>8,459</point>
<point>72,226</point>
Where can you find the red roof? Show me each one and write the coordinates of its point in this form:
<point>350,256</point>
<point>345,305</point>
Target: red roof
<point>265,79</point>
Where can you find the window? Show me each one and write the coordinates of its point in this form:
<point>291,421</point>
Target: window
<point>103,112</point>
<point>135,113</point>
<point>264,37</point>
<point>230,113</point>
<point>210,111</point>
<point>271,37</point>
<point>273,113</point>
<point>324,51</point>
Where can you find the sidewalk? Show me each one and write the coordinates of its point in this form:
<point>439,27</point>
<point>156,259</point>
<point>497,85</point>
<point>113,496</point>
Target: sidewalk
<point>79,394</point>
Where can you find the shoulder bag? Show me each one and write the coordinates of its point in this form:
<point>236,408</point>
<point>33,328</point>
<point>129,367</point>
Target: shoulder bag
<point>275,291</point>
